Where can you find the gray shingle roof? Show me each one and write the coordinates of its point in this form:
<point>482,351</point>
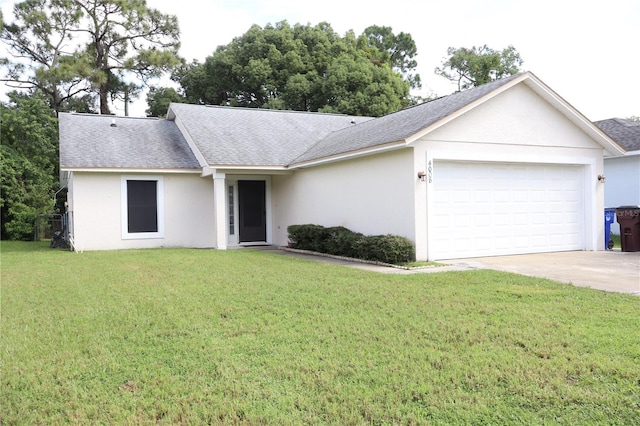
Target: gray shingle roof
<point>89,141</point>
<point>397,126</point>
<point>625,132</point>
<point>242,136</point>
<point>256,137</point>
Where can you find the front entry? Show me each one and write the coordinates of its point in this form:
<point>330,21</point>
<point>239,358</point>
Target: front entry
<point>252,211</point>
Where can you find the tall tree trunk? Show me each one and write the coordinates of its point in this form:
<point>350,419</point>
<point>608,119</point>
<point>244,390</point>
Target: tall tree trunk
<point>104,99</point>
<point>126,102</point>
<point>57,102</point>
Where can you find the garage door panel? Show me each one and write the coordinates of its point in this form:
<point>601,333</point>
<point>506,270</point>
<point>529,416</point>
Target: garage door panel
<point>461,196</point>
<point>521,197</point>
<point>501,196</point>
<point>461,221</point>
<point>483,243</point>
<point>557,196</point>
<point>485,209</point>
<point>481,196</point>
<point>482,221</point>
<point>538,196</point>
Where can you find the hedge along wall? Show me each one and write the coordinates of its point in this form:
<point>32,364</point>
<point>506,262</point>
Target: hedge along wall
<point>340,241</point>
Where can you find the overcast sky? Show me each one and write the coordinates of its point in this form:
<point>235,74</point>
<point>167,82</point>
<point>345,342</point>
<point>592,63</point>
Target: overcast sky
<point>588,51</point>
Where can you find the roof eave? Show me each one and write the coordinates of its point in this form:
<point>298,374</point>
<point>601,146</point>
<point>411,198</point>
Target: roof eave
<point>126,170</point>
<point>626,154</point>
<point>237,169</point>
<point>349,155</point>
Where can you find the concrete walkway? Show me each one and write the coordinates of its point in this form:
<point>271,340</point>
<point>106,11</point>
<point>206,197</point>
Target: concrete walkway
<point>613,271</point>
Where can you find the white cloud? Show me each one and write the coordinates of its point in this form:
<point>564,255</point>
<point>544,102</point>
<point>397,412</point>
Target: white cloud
<point>586,50</point>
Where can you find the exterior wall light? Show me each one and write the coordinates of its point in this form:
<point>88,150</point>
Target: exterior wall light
<point>602,178</point>
<point>421,176</point>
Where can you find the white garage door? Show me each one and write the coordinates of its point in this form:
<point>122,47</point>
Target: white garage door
<point>489,209</point>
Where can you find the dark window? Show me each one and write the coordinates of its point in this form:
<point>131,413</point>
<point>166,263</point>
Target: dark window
<point>142,206</point>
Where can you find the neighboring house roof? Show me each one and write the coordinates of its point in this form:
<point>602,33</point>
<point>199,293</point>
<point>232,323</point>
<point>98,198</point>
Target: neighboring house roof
<point>255,137</point>
<point>90,141</point>
<point>625,132</point>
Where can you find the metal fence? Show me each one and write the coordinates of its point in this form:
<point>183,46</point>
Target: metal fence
<point>54,227</point>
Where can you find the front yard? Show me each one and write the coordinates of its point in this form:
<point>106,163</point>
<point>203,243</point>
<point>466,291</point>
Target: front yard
<point>178,336</point>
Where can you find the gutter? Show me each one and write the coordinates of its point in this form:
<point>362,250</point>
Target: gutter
<point>349,155</point>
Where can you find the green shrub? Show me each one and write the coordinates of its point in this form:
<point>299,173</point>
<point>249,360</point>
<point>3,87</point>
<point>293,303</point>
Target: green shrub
<point>386,248</point>
<point>341,241</point>
<point>307,237</point>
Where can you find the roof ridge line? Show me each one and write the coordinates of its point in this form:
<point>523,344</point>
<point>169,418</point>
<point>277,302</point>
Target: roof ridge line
<point>112,116</point>
<point>289,111</point>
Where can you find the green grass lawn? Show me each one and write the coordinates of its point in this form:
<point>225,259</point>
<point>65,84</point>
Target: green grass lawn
<point>178,336</point>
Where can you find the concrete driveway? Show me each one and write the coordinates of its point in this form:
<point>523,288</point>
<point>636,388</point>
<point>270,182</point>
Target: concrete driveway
<point>614,270</point>
<point>602,270</point>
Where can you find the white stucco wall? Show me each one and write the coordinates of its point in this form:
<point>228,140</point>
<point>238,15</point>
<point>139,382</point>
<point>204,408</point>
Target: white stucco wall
<point>371,195</point>
<point>622,187</point>
<point>96,208</point>
<point>517,116</point>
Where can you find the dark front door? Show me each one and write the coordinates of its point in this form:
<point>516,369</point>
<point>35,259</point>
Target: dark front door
<point>252,210</point>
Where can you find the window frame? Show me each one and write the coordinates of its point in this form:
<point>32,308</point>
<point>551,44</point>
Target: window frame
<point>126,235</point>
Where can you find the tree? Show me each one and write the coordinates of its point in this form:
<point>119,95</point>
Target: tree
<point>29,161</point>
<point>159,99</point>
<point>634,118</point>
<point>194,83</point>
<point>84,104</point>
<point>38,38</point>
<point>305,68</point>
<point>81,46</point>
<point>398,51</point>
<point>479,65</point>
<point>352,88</point>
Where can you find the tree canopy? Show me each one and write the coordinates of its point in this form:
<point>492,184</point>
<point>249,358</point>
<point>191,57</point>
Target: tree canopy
<point>158,100</point>
<point>397,50</point>
<point>29,162</point>
<point>306,68</point>
<point>65,48</point>
<point>479,65</point>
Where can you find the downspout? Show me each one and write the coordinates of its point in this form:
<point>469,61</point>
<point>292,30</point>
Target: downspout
<point>55,196</point>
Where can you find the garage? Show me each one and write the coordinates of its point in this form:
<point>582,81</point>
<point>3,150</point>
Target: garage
<point>489,209</point>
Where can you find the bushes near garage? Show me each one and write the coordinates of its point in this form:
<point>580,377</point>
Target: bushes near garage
<point>308,237</point>
<point>340,241</point>
<point>385,248</point>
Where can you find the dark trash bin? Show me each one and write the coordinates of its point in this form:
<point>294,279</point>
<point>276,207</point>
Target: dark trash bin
<point>609,218</point>
<point>629,219</point>
<point>57,240</point>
